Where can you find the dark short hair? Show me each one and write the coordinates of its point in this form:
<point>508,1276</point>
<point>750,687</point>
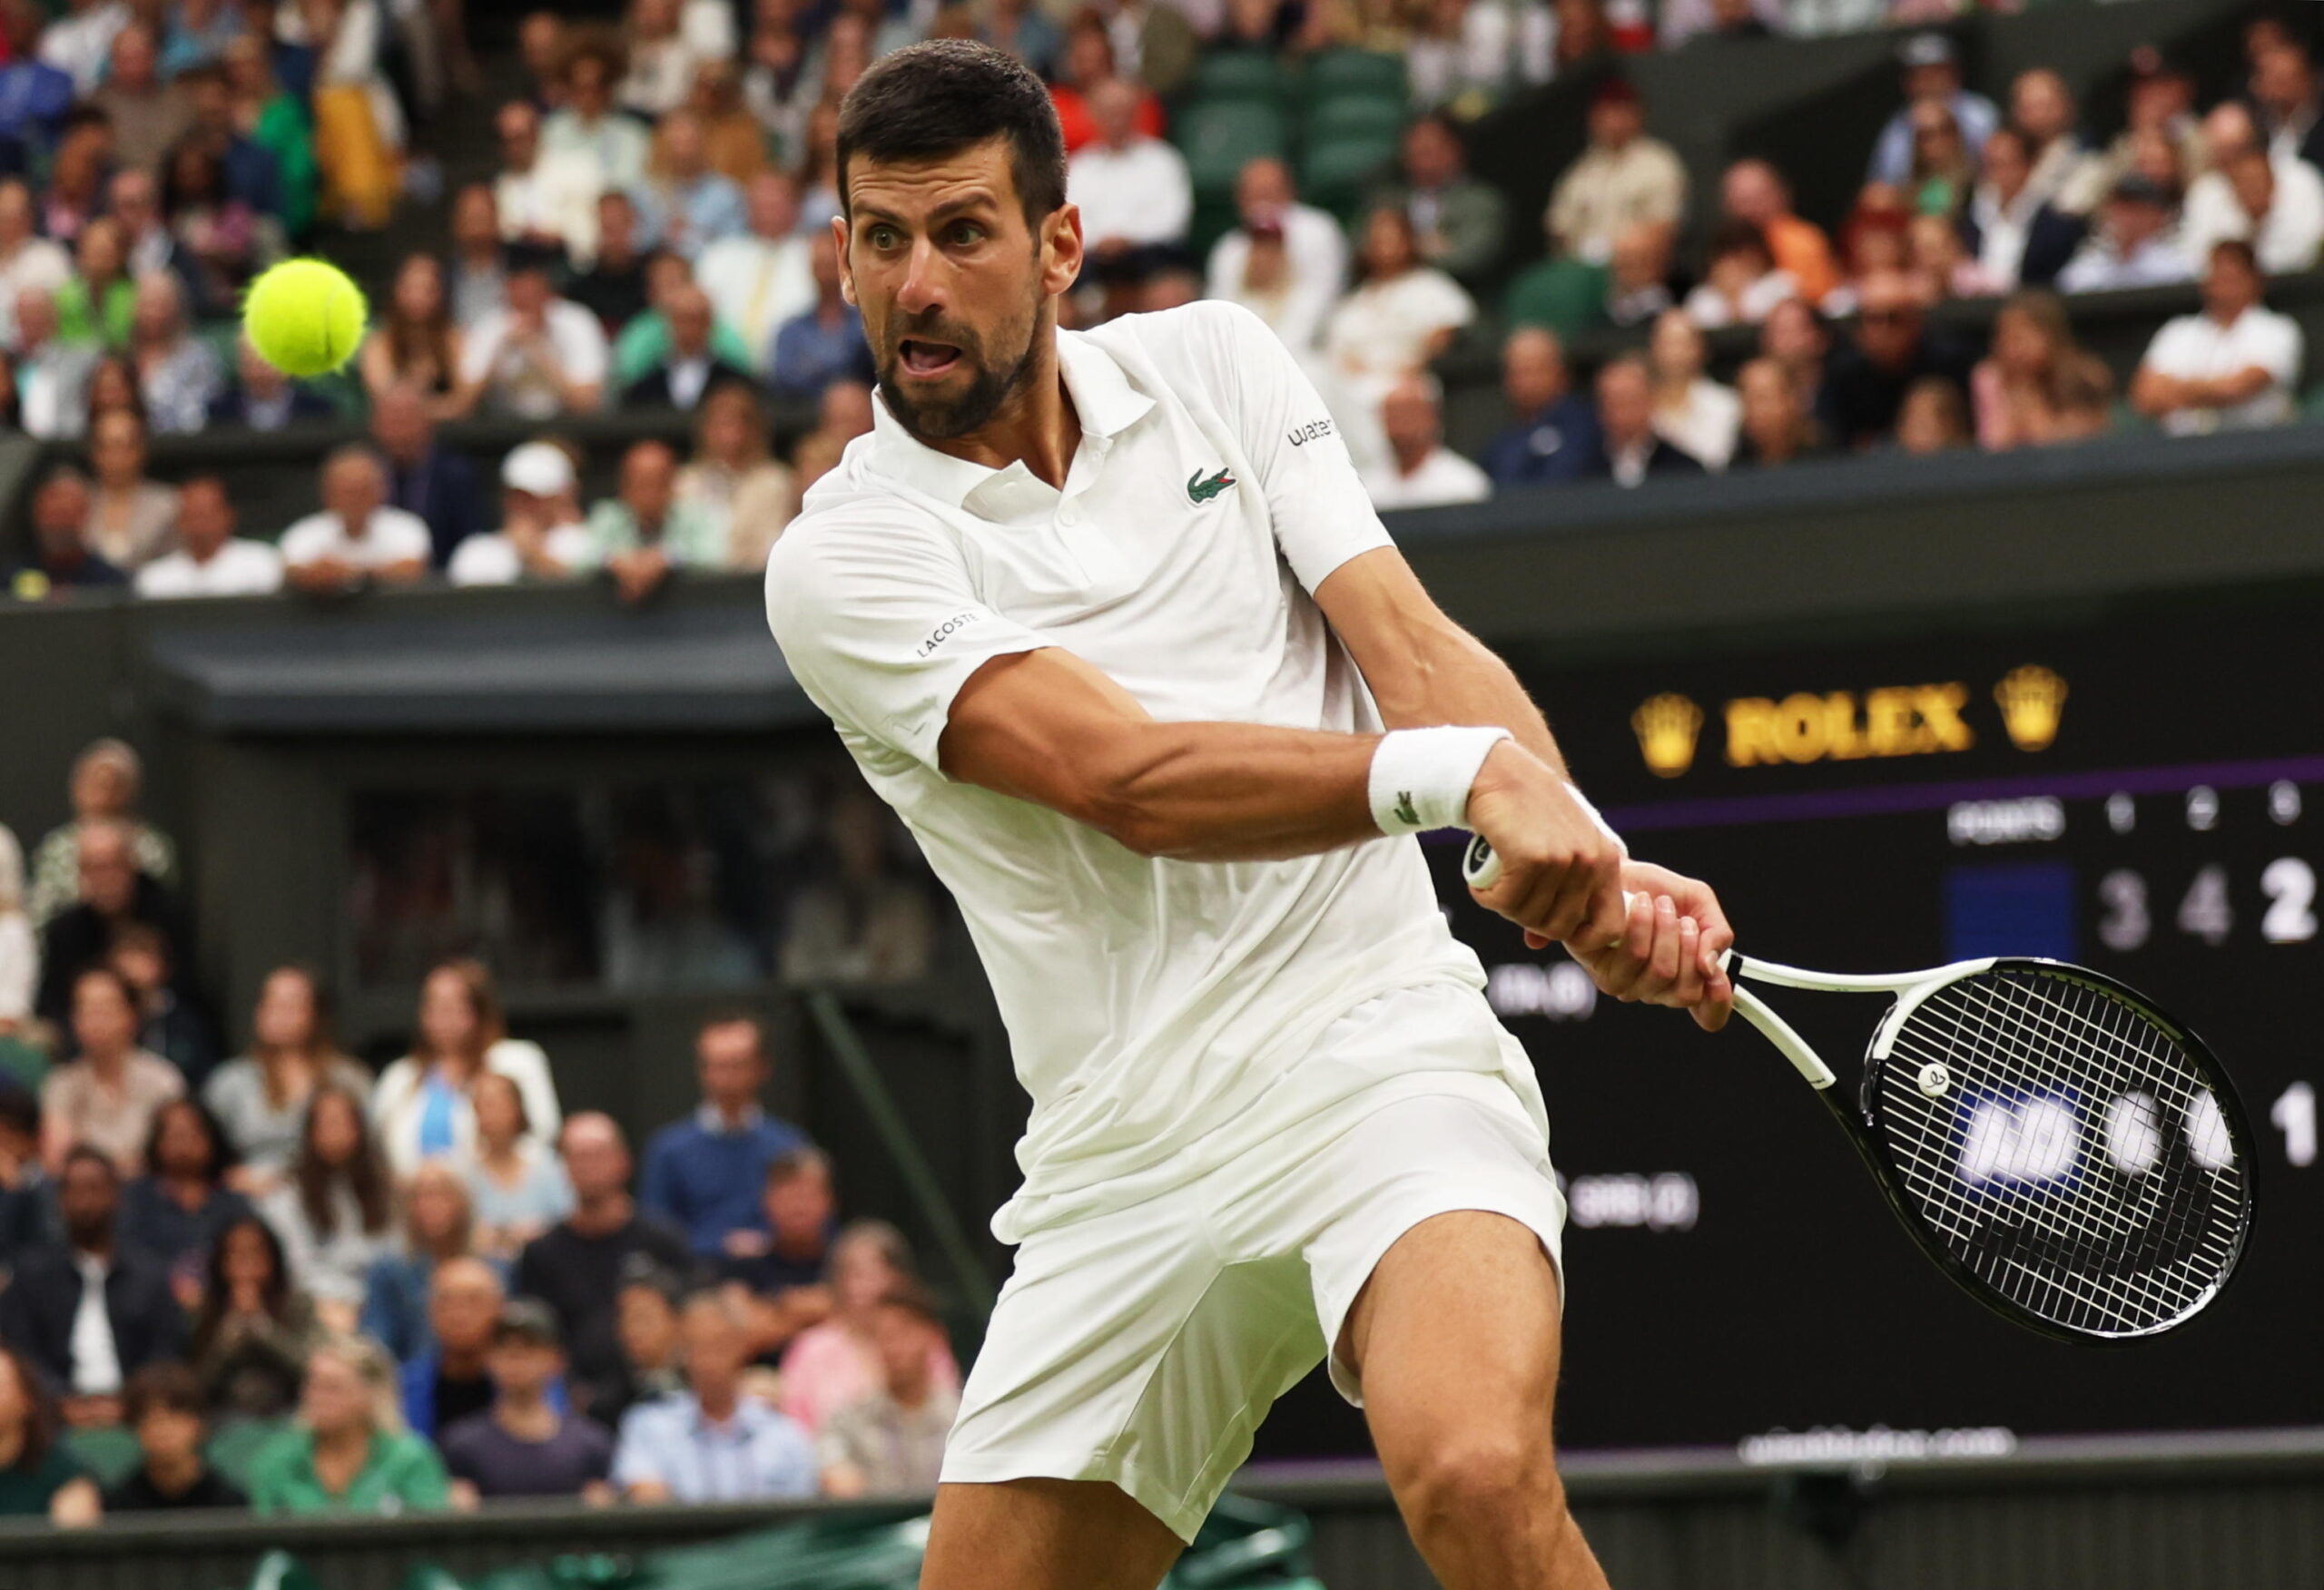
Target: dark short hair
<point>167,1384</point>
<point>2242,251</point>
<point>940,96</point>
<point>19,1107</point>
<point>85,1153</point>
<point>797,1162</point>
<point>736,1015</point>
<point>912,1298</point>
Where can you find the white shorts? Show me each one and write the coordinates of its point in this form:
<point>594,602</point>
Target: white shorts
<point>1143,1346</point>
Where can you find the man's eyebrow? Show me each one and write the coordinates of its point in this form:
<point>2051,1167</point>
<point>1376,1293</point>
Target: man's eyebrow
<point>973,199</point>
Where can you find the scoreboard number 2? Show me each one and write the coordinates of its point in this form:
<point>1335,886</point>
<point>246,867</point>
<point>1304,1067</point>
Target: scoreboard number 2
<point>2289,884</point>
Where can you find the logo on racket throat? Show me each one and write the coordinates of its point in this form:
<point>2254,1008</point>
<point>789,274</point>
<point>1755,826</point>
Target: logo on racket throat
<point>1200,491</point>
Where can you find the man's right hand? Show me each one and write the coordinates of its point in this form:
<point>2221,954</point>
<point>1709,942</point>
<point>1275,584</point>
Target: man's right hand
<point>1561,878</point>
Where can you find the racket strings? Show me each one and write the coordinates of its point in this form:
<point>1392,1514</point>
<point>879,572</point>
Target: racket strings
<point>2072,1155</point>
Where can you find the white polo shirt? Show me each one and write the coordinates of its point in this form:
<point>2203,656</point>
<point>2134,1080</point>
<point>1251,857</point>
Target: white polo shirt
<point>2198,347</point>
<point>1155,1007</point>
<point>391,535</point>
<point>239,568</point>
<point>1443,476</point>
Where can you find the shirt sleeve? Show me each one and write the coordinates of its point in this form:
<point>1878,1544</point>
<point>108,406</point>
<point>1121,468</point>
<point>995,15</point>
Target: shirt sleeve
<point>303,542</point>
<point>1321,514</point>
<point>2279,351</point>
<point>881,623</point>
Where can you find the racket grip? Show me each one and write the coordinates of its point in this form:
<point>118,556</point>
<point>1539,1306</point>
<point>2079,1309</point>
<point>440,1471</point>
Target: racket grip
<point>1479,864</point>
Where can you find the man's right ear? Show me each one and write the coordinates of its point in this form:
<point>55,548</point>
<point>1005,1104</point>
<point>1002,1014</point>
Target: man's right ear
<point>846,270</point>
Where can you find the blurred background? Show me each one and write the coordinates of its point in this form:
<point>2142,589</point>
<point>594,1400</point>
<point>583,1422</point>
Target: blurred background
<point>461,1014</point>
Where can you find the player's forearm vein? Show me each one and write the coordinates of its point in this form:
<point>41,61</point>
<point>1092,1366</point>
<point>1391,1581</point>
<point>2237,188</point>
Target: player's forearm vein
<point>1233,792</point>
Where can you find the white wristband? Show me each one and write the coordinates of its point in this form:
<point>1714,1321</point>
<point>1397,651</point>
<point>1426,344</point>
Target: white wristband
<point>1421,777</point>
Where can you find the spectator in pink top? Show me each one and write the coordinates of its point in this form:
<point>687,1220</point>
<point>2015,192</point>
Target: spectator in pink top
<point>830,1365</point>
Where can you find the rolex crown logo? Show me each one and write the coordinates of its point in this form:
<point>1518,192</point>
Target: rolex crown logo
<point>1666,726</point>
<point>2032,700</point>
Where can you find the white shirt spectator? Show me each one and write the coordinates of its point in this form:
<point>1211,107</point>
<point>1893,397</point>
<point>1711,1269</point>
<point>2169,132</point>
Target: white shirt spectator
<point>2198,347</point>
<point>490,558</point>
<point>239,568</point>
<point>1711,308</point>
<point>1503,45</point>
<point>2287,241</point>
<point>1383,328</point>
<point>557,196</point>
<point>391,535</point>
<point>491,354</point>
<point>1139,194</point>
<point>1443,476</point>
<point>615,146</point>
<point>2160,262</point>
<point>1705,426</point>
<point>80,45</point>
<point>755,284</point>
<point>37,264</point>
<point>1315,260</point>
<point>96,1358</point>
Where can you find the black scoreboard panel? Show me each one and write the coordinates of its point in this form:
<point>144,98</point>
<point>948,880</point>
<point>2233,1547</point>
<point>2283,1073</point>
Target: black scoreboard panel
<point>2146,801</point>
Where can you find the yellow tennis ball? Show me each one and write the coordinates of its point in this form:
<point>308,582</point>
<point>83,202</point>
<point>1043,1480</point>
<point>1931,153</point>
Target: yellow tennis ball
<point>304,317</point>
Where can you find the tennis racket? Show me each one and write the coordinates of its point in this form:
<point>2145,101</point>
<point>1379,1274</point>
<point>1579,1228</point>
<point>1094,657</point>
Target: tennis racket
<point>2070,1155</point>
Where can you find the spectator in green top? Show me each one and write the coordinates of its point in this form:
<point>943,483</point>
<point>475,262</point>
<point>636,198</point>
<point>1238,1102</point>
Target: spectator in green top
<point>349,1452</point>
<point>276,122</point>
<point>99,306</point>
<point>36,1474</point>
<point>643,532</point>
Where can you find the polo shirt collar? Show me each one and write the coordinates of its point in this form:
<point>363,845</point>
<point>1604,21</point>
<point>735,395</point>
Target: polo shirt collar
<point>1103,397</point>
<point>711,1123</point>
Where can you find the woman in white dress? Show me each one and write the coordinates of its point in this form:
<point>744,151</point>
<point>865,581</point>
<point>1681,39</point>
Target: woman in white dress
<point>1401,314</point>
<point>423,1107</point>
<point>1692,412</point>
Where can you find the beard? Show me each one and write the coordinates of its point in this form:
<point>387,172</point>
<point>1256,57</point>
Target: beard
<point>948,418</point>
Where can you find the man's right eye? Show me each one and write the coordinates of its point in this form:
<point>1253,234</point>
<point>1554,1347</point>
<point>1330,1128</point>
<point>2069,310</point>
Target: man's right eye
<point>881,236</point>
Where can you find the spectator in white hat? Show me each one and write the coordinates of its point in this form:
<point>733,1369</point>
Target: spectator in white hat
<point>540,536</point>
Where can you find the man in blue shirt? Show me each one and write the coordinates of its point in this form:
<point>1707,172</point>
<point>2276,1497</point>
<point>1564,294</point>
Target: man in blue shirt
<point>711,1443</point>
<point>705,1174</point>
<point>826,343</point>
<point>1555,437</point>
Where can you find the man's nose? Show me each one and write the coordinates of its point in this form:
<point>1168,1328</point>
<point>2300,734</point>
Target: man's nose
<point>924,283</point>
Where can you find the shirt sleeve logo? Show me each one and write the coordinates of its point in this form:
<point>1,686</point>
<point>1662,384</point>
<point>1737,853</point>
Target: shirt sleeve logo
<point>1299,436</point>
<point>945,632</point>
<point>1200,491</point>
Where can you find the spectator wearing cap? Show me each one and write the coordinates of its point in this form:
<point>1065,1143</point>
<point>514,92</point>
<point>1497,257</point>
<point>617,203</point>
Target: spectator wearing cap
<point>2276,206</point>
<point>526,1444</point>
<point>538,357</point>
<point>1895,346</point>
<point>712,1442</point>
<point>2136,243</point>
<point>1932,71</point>
<point>576,1266</point>
<point>262,399</point>
<point>1554,434</point>
<point>1132,189</point>
<point>1630,451</point>
<point>891,1440</point>
<point>164,1407</point>
<point>435,484</point>
<point>1624,179</point>
<point>356,539</point>
<point>541,536</point>
<point>63,559</point>
<point>705,1175</point>
<point>1310,250</point>
<point>2019,237</point>
<point>761,276</point>
<point>1419,470</point>
<point>85,1310</point>
<point>2233,367</point>
<point>1459,224</point>
<point>2290,107</point>
<point>1754,193</point>
<point>690,366</point>
<point>825,343</point>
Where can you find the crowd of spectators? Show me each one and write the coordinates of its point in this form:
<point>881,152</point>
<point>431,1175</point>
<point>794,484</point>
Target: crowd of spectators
<point>655,238</point>
<point>268,1279</point>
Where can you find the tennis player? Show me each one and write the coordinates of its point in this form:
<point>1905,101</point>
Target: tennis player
<point>1109,622</point>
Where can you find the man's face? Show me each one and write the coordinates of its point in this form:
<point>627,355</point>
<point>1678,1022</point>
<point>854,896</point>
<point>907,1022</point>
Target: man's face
<point>799,1208</point>
<point>2039,106</point>
<point>520,136</point>
<point>205,518</point>
<point>1888,323</point>
<point>727,1061</point>
<point>2281,81</point>
<point>1532,371</point>
<point>135,202</point>
<point>134,58</point>
<point>714,1351</point>
<point>590,86</point>
<point>902,1341</point>
<point>1613,122</point>
<point>2005,165</point>
<point>1408,418</point>
<point>108,874</point>
<point>690,319</point>
<point>354,491</point>
<point>1114,107</point>
<point>15,214</point>
<point>648,479</point>
<point>1940,80</point>
<point>464,1305</point>
<point>682,150</point>
<point>2230,285</point>
<point>522,1366</point>
<point>212,105</point>
<point>2156,101</point>
<point>1749,194</point>
<point>2132,222</point>
<point>953,284</point>
<point>399,424</point>
<point>169,1436</point>
<point>60,509</point>
<point>117,448</point>
<point>1625,404</point>
<point>594,1159</point>
<point>774,206</point>
<point>1262,188</point>
<point>646,1325</point>
<point>88,1198</point>
<point>1431,157</point>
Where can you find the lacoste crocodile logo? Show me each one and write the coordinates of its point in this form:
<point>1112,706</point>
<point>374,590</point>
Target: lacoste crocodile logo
<point>1200,491</point>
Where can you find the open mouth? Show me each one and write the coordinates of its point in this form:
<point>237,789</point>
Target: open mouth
<point>926,359</point>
